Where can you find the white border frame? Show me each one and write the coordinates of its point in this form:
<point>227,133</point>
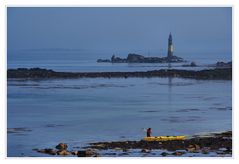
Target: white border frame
<point>110,3</point>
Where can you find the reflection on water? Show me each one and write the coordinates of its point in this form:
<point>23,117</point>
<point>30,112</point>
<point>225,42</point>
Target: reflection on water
<point>169,85</point>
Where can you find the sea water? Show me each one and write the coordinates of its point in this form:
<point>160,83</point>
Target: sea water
<point>80,111</point>
<point>85,60</point>
<point>42,113</point>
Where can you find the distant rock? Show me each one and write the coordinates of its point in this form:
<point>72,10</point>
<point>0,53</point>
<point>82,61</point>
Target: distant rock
<point>136,58</point>
<point>103,61</point>
<point>192,64</point>
<point>117,60</point>
<point>175,59</point>
<point>223,64</point>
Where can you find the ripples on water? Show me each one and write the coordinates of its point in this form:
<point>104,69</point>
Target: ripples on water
<point>79,111</point>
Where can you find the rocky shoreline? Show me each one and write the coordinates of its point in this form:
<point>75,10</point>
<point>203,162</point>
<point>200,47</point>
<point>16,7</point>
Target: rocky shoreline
<point>38,73</point>
<point>218,143</point>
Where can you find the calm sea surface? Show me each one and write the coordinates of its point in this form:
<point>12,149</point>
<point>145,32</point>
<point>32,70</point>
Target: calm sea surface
<point>42,113</point>
<point>85,60</point>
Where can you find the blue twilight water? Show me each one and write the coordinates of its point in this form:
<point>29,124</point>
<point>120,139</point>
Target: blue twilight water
<point>42,113</point>
<point>79,111</point>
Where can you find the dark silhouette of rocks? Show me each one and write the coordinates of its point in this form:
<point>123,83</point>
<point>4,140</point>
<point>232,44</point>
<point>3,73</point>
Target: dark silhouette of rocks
<point>63,152</point>
<point>117,60</point>
<point>145,151</point>
<point>178,153</point>
<point>103,61</point>
<point>224,65</point>
<point>221,143</point>
<point>164,154</point>
<point>192,64</point>
<point>221,64</point>
<point>86,153</point>
<point>19,130</point>
<point>37,73</point>
<point>136,58</point>
<point>46,151</point>
<point>198,144</point>
<point>61,146</point>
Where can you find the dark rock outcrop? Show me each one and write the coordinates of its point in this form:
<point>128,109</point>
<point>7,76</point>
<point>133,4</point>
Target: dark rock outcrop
<point>145,151</point>
<point>224,65</point>
<point>86,153</point>
<point>192,64</point>
<point>61,146</point>
<point>178,153</point>
<point>46,151</point>
<point>37,73</point>
<point>63,152</point>
<point>117,60</point>
<point>191,145</point>
<point>103,60</point>
<point>164,154</point>
<point>221,143</point>
<point>136,58</point>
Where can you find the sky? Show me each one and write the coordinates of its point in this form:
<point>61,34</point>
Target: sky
<point>120,29</point>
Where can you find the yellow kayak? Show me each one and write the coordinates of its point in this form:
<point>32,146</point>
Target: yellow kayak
<point>164,138</point>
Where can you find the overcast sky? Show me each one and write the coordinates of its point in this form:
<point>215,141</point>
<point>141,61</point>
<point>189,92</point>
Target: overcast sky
<point>193,29</point>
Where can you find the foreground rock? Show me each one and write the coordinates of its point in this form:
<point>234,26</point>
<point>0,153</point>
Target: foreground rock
<point>64,152</point>
<point>61,150</point>
<point>46,151</point>
<point>87,153</point>
<point>220,143</point>
<point>61,146</point>
<point>37,73</point>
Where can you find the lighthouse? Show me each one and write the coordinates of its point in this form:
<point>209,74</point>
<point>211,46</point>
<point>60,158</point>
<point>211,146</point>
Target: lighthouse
<point>170,47</point>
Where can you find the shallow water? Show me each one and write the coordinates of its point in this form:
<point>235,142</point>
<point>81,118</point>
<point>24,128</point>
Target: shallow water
<point>42,113</point>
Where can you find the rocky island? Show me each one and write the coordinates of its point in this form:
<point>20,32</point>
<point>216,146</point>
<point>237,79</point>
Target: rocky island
<point>136,58</point>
